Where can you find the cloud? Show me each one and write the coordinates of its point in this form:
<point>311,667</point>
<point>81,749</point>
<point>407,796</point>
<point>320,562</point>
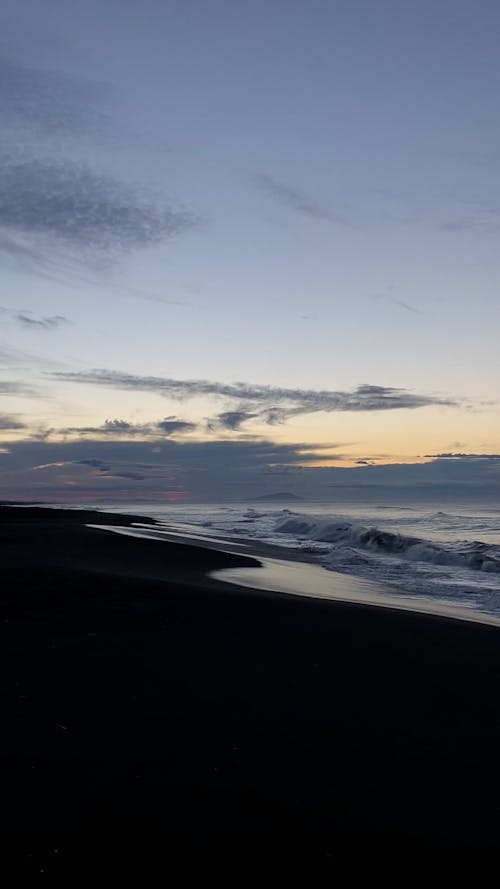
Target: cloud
<point>452,456</point>
<point>172,425</point>
<point>407,306</point>
<point>28,319</point>
<point>484,220</point>
<point>120,429</point>
<point>48,103</point>
<point>107,469</point>
<point>386,297</point>
<point>21,253</point>
<point>61,110</point>
<point>95,464</point>
<point>231,419</point>
<point>8,421</point>
<point>114,426</point>
<point>274,416</point>
<point>91,216</point>
<point>57,214</point>
<point>463,223</point>
<point>46,322</point>
<point>293,199</point>
<point>20,361</point>
<point>13,387</point>
<point>271,403</point>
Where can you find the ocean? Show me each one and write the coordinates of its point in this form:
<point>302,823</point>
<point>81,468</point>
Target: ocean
<point>448,552</point>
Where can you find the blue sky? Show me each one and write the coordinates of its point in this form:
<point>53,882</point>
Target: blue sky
<point>300,198</point>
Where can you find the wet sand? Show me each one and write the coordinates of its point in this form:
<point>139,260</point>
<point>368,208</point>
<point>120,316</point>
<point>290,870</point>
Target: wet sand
<point>158,720</point>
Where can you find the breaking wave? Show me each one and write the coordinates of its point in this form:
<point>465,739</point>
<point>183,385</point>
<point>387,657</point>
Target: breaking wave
<point>449,551</point>
<point>472,555</point>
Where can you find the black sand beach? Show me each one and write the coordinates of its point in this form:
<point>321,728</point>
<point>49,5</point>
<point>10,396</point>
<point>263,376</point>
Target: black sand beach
<point>157,721</point>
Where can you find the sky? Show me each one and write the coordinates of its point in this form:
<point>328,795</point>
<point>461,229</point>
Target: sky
<point>248,247</point>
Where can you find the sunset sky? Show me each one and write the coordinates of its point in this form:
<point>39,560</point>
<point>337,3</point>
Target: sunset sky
<point>248,247</point>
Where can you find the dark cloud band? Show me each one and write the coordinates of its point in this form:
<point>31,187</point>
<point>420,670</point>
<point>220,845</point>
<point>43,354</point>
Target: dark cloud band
<point>217,470</point>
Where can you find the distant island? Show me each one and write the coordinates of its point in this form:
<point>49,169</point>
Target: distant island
<point>275,497</point>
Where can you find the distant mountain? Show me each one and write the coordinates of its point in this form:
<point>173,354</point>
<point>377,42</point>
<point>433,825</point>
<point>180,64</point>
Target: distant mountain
<point>275,497</point>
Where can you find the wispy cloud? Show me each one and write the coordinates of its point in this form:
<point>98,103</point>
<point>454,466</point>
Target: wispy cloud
<point>9,421</point>
<point>408,306</point>
<point>61,110</point>
<point>48,103</point>
<point>459,224</point>
<point>478,217</point>
<point>19,361</point>
<point>57,214</point>
<point>385,297</point>
<point>92,216</point>
<point>15,387</point>
<point>121,429</point>
<point>41,322</point>
<point>290,197</point>
<point>271,403</point>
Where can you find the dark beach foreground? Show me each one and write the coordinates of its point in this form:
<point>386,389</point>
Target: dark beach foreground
<point>158,722</point>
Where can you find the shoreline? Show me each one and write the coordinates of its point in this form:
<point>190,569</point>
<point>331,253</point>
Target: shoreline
<point>157,718</point>
<point>294,574</point>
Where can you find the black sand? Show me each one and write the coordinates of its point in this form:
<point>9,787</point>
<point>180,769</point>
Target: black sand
<point>157,721</point>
